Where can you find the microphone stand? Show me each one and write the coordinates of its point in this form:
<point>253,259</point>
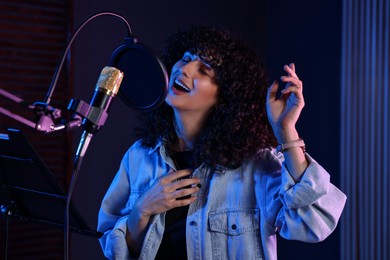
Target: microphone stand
<point>81,150</point>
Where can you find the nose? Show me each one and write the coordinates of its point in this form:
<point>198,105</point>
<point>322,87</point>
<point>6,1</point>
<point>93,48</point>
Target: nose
<point>188,69</point>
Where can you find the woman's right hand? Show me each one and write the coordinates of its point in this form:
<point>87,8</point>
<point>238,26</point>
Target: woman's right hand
<point>166,193</point>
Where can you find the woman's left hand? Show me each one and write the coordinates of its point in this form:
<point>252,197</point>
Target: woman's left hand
<point>283,112</point>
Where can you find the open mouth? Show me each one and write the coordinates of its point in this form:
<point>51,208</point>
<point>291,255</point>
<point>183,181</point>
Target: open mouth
<point>180,86</point>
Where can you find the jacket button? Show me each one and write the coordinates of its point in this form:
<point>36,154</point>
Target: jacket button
<point>234,227</point>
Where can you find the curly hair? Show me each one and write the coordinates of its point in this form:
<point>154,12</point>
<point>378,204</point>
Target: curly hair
<point>237,128</point>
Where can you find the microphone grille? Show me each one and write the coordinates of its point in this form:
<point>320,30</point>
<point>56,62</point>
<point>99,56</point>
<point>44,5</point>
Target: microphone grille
<point>109,81</point>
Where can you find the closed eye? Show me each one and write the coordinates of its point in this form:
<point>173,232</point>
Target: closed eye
<point>204,67</point>
<point>206,70</point>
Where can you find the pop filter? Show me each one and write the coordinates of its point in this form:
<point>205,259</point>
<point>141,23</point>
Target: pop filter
<point>145,82</point>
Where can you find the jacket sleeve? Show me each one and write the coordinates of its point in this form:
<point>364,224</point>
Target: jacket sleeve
<point>308,210</point>
<point>113,215</point>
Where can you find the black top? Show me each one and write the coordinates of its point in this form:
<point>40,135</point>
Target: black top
<point>173,244</point>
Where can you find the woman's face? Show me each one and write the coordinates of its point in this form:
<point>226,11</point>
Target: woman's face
<point>192,85</point>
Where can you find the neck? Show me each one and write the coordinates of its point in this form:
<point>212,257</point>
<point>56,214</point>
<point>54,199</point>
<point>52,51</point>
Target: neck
<point>187,126</point>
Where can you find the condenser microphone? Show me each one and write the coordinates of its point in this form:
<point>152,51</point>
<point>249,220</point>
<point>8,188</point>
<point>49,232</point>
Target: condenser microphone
<point>106,89</point>
<point>96,113</point>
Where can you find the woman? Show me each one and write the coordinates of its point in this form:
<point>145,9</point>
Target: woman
<point>204,181</point>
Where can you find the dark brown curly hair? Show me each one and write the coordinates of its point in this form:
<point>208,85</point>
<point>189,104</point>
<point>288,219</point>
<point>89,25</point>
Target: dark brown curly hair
<point>238,126</point>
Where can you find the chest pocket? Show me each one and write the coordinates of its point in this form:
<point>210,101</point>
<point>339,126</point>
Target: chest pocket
<point>235,234</point>
<point>234,221</point>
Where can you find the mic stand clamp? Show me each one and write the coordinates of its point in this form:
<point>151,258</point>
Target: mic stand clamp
<point>46,115</point>
<point>95,115</point>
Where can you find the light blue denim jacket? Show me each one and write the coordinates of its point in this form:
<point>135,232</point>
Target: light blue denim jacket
<point>237,212</point>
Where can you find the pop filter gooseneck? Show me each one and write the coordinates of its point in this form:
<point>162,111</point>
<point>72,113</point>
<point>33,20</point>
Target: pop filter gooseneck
<point>145,84</point>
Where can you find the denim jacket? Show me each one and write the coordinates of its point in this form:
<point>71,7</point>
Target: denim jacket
<point>237,212</point>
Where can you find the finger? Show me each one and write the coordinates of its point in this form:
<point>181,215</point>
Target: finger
<point>185,192</point>
<point>174,175</point>
<point>292,66</point>
<point>184,201</point>
<point>290,70</point>
<point>291,81</point>
<point>293,89</point>
<point>185,183</point>
<point>272,90</point>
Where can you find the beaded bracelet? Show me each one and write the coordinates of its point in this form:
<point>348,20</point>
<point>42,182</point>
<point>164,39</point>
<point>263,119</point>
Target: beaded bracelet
<point>297,143</point>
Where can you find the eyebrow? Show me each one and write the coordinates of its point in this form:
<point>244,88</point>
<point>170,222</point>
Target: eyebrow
<point>204,60</point>
<point>206,63</point>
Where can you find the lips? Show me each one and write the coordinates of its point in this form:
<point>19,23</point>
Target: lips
<point>179,86</point>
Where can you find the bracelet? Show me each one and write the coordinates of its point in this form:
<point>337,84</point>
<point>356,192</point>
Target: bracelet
<point>297,143</point>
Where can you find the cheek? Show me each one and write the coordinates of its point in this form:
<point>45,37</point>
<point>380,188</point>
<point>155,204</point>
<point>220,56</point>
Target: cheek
<point>209,94</point>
